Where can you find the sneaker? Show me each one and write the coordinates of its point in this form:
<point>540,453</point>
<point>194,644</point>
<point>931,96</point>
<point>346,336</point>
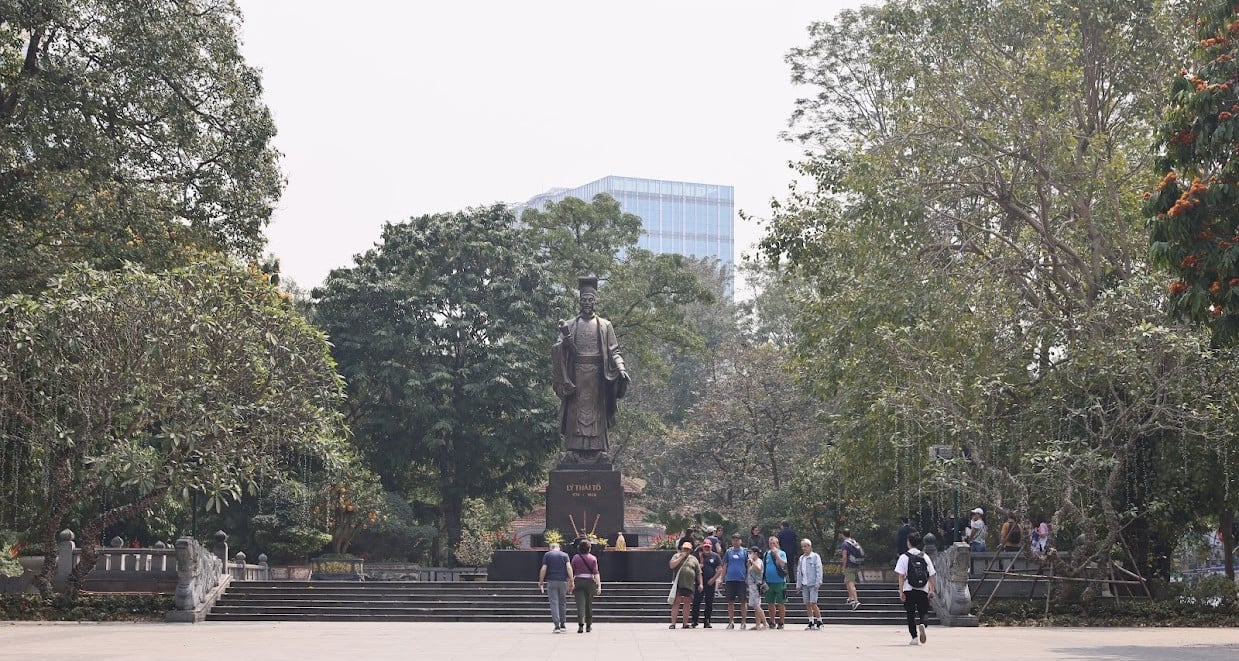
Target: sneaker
<point>693,625</point>
<point>913,642</point>
<point>580,628</point>
<point>682,626</point>
<point>742,626</point>
<point>855,605</point>
<point>819,624</point>
<point>557,630</point>
<point>780,625</point>
<point>706,626</point>
<point>672,626</point>
<point>731,625</point>
<point>920,629</point>
<point>589,628</point>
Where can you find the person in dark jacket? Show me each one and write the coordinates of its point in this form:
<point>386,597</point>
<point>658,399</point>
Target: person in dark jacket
<point>901,542</point>
<point>790,543</point>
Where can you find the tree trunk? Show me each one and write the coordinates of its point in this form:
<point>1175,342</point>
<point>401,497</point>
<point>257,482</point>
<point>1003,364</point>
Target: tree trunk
<point>90,536</point>
<point>453,506</point>
<point>1227,524</point>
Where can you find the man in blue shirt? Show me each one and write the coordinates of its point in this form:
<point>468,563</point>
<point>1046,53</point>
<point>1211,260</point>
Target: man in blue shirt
<point>775,561</point>
<point>556,574</point>
<point>734,567</point>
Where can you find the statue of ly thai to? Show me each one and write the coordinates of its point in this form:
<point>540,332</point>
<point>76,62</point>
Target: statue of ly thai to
<point>589,378</point>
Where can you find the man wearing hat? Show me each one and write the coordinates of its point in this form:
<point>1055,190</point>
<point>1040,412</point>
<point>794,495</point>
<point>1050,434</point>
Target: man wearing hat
<point>976,531</point>
<point>711,562</point>
<point>589,378</point>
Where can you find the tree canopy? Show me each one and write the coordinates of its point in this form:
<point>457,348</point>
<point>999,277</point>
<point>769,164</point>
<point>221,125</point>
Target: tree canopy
<point>442,332</point>
<point>128,131</point>
<point>965,247</point>
<point>140,385</point>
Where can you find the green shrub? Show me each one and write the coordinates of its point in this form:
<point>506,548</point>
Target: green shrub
<point>89,608</point>
<point>1190,611</point>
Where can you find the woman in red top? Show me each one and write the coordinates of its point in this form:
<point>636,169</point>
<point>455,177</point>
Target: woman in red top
<point>586,584</point>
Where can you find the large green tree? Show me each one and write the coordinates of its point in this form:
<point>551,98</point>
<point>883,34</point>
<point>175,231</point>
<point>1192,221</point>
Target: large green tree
<point>199,380</point>
<point>970,225</point>
<point>442,332</point>
<point>128,131</point>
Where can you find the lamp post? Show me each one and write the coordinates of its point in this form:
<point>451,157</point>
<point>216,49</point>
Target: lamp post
<point>194,458</point>
<point>946,453</point>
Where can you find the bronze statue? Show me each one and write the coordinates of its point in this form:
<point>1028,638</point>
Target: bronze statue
<point>589,378</point>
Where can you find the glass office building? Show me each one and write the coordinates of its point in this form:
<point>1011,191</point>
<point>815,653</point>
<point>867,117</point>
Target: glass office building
<point>677,216</point>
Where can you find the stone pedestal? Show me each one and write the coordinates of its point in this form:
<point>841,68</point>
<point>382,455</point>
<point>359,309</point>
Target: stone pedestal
<point>585,501</point>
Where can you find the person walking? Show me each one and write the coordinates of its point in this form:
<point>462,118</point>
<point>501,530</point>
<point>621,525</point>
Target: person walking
<point>776,580</point>
<point>753,582</point>
<point>711,563</point>
<point>553,578</point>
<point>586,584</point>
<point>852,557</point>
<point>687,580</point>
<point>916,586</point>
<point>788,543</point>
<point>809,578</point>
<point>734,574</point>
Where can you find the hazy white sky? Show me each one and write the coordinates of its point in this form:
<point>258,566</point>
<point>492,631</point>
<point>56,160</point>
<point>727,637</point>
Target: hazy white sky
<point>389,109</point>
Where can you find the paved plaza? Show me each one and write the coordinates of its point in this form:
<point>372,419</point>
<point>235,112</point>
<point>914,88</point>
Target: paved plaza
<point>617,642</point>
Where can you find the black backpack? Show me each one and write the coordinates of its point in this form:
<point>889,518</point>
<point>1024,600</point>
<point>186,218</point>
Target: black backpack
<point>1013,535</point>
<point>918,570</point>
<point>855,553</point>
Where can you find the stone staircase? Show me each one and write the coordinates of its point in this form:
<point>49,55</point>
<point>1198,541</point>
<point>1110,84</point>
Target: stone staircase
<point>507,602</point>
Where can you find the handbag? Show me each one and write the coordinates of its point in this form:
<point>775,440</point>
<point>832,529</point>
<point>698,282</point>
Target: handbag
<point>675,582</point>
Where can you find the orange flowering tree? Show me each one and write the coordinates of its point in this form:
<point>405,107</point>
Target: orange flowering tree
<point>355,502</point>
<point>1195,208</point>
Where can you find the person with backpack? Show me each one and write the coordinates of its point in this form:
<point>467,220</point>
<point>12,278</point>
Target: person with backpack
<point>916,585</point>
<point>1010,534</point>
<point>853,558</point>
<point>776,578</point>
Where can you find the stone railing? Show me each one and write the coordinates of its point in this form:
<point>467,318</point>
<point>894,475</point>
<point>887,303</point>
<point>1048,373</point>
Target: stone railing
<point>243,572</point>
<point>200,579</point>
<point>952,600</point>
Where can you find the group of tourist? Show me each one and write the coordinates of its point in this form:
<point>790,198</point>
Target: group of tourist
<point>753,578</point>
<point>974,532</point>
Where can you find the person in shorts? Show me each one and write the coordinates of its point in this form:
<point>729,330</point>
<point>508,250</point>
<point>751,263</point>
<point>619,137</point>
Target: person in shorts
<point>753,581</point>
<point>776,595</point>
<point>735,570</point>
<point>809,578</point>
<point>851,555</point>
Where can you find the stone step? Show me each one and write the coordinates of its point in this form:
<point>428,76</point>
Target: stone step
<point>656,621</point>
<point>504,604</point>
<point>500,601</point>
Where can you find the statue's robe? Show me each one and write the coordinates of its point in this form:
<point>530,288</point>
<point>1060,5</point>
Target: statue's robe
<point>586,378</point>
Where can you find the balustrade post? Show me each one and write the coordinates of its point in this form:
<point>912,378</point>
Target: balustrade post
<point>221,547</point>
<point>64,560</point>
